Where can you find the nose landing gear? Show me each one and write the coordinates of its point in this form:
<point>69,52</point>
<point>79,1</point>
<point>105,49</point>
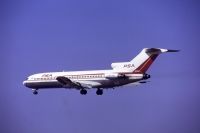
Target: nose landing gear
<point>35,92</point>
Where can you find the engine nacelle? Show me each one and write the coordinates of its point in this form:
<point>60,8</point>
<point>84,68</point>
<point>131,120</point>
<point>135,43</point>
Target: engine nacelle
<point>146,76</point>
<point>113,75</point>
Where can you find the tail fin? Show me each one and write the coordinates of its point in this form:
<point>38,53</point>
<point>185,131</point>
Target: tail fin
<point>146,57</point>
<point>141,62</point>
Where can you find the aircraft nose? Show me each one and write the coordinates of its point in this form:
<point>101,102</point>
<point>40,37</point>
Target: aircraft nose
<point>27,83</point>
<point>24,83</point>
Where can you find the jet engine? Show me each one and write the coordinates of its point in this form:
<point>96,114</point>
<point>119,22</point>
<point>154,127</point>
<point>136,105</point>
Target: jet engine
<point>114,75</point>
<point>146,76</point>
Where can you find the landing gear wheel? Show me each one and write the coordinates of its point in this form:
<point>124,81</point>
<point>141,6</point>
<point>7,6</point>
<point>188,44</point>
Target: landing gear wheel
<point>35,91</point>
<point>99,92</point>
<point>83,91</point>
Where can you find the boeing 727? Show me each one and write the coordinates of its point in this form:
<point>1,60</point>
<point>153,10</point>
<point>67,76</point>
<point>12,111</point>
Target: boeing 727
<point>122,73</point>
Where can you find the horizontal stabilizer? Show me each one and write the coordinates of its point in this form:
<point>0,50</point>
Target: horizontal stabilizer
<point>159,50</point>
<point>169,50</point>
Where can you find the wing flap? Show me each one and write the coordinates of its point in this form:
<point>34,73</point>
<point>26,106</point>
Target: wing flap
<point>66,81</point>
<point>63,80</point>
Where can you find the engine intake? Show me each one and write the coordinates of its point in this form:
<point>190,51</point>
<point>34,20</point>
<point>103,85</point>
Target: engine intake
<point>146,76</point>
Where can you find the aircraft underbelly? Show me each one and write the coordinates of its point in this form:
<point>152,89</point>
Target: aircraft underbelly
<point>50,84</point>
<point>113,83</point>
<point>93,83</point>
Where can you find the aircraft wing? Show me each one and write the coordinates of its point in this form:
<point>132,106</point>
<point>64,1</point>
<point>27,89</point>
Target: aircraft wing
<point>67,82</point>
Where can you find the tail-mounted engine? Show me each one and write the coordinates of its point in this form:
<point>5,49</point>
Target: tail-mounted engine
<point>114,75</point>
<point>146,76</point>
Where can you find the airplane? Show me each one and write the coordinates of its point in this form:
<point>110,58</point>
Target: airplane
<point>122,73</point>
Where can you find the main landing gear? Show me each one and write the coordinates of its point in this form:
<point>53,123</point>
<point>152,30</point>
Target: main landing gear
<point>83,91</point>
<point>35,92</point>
<point>99,92</point>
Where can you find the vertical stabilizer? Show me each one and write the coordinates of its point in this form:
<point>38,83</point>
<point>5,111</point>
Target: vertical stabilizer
<point>142,62</point>
<point>146,57</point>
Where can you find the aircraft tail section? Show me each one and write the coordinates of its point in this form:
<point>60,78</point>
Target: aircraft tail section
<point>142,62</point>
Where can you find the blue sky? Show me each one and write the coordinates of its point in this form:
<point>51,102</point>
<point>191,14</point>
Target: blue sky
<point>56,35</point>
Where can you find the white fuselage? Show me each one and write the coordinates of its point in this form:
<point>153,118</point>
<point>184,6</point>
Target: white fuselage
<point>94,79</point>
